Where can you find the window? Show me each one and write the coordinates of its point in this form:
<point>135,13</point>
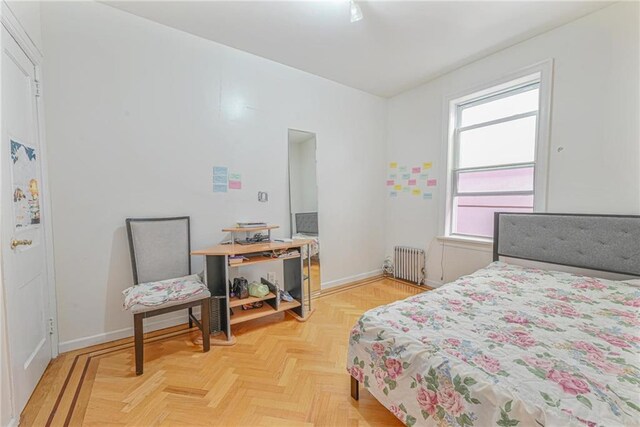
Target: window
<point>493,148</point>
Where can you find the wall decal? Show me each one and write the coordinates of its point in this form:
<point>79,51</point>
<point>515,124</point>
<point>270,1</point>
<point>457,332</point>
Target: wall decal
<point>25,184</point>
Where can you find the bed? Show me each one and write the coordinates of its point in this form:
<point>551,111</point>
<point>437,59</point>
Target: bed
<point>515,346</point>
<point>307,229</point>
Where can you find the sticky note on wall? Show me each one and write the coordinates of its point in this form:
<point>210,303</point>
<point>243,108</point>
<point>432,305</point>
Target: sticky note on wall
<point>398,187</point>
<point>432,182</point>
<point>415,170</point>
<point>412,182</point>
<point>427,165</point>
<point>393,165</point>
<point>416,192</point>
<point>427,196</point>
<point>390,182</point>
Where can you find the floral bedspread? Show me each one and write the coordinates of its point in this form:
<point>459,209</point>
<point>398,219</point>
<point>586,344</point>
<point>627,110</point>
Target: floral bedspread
<point>506,346</point>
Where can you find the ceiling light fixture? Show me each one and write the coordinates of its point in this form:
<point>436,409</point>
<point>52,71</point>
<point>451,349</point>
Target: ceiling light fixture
<point>356,13</point>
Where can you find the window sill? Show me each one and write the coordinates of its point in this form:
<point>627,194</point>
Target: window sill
<point>485,245</point>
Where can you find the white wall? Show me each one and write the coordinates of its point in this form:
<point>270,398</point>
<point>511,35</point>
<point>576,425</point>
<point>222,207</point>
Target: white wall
<point>595,118</point>
<point>138,114</point>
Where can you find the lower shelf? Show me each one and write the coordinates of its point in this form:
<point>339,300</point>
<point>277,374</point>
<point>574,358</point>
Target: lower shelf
<point>240,315</point>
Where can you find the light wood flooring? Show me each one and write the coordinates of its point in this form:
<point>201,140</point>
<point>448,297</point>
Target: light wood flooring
<point>280,372</point>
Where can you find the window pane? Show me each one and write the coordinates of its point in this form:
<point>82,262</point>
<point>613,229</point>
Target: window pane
<point>473,215</point>
<point>504,143</point>
<point>515,179</point>
<point>504,107</point>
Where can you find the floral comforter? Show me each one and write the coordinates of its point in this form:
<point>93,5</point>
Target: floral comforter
<point>506,346</point>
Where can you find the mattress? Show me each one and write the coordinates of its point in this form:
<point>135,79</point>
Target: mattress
<point>505,346</point>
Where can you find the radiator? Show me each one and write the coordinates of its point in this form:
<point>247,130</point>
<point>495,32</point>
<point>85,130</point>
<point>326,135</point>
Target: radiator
<point>409,264</point>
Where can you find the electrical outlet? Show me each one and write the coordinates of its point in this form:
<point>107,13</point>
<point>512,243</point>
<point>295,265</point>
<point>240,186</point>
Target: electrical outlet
<point>271,277</point>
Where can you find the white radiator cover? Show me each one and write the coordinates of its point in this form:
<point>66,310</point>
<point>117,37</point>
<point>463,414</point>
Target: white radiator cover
<point>409,264</point>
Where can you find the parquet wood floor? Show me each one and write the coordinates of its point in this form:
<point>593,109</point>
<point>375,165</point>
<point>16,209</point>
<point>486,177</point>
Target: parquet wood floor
<point>280,373</point>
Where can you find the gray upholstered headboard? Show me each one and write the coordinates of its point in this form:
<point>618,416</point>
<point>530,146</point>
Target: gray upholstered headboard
<point>307,223</point>
<point>608,243</point>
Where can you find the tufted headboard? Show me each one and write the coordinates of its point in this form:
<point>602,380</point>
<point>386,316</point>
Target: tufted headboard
<point>307,223</point>
<point>608,243</point>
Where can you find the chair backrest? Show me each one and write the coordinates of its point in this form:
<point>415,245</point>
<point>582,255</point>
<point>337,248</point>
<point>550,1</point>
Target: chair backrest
<point>160,248</point>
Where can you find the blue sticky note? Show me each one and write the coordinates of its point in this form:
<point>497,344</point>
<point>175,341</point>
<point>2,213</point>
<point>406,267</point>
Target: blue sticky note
<point>406,176</point>
<point>219,179</point>
<point>393,194</point>
<point>427,196</point>
<point>220,188</point>
<point>220,170</point>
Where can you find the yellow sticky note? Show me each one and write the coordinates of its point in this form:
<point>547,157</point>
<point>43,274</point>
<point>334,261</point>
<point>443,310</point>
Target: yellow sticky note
<point>393,165</point>
<point>416,192</point>
<point>427,165</point>
<point>398,187</point>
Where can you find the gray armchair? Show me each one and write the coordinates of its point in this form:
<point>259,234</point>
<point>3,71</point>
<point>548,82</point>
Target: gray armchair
<point>161,249</point>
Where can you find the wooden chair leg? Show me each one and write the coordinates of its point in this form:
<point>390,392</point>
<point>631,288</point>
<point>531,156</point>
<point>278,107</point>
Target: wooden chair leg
<point>204,320</point>
<point>138,333</point>
<point>355,389</point>
<point>190,321</point>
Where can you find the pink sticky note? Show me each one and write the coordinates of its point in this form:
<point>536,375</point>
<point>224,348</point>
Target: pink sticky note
<point>415,170</point>
<point>432,182</point>
<point>412,182</point>
<point>235,185</point>
<point>390,182</point>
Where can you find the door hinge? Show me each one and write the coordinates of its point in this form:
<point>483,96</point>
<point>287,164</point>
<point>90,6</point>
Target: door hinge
<point>52,326</point>
<point>37,87</point>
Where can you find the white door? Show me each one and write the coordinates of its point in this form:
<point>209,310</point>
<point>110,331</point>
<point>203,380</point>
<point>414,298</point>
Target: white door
<point>24,266</point>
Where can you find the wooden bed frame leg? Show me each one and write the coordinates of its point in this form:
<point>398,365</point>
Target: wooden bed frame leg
<point>355,389</point>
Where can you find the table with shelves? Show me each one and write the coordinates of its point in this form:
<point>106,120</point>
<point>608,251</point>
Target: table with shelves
<point>217,272</point>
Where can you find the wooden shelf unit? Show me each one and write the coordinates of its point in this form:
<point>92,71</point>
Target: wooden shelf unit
<point>240,315</point>
<point>218,273</point>
<point>249,229</point>
<point>261,259</point>
<point>237,302</point>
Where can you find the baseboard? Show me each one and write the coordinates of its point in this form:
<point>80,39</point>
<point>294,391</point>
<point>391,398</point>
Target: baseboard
<point>13,422</point>
<point>149,326</point>
<point>434,283</point>
<point>351,279</point>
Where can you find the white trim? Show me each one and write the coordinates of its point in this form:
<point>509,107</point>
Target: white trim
<point>13,422</point>
<point>544,72</point>
<point>17,31</point>
<point>464,242</point>
<point>344,280</point>
<point>102,338</point>
<point>434,283</point>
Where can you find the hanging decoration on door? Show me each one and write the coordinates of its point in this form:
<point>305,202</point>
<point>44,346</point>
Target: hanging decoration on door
<point>26,192</point>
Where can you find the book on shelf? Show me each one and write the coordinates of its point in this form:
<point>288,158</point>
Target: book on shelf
<point>251,224</point>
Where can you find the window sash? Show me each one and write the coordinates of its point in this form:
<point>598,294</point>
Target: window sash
<point>455,193</point>
<point>500,95</point>
<point>454,181</point>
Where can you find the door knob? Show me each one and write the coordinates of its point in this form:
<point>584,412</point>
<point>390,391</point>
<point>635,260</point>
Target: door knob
<point>15,243</point>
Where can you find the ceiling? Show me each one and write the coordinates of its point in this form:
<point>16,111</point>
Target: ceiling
<point>398,45</point>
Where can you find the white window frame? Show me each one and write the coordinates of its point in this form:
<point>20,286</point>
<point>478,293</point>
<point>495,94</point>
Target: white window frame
<point>542,73</point>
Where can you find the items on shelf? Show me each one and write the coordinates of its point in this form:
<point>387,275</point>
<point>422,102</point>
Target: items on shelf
<point>253,305</point>
<point>240,288</point>
<point>284,295</point>
<point>237,259</point>
<point>251,224</point>
<point>282,253</point>
<point>257,238</point>
<point>258,290</point>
